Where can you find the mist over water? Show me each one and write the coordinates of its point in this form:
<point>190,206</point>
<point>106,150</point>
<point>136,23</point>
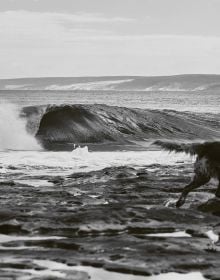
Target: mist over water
<point>13,134</point>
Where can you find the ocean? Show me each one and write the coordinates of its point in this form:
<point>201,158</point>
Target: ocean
<point>22,149</point>
<point>196,101</point>
<point>79,168</point>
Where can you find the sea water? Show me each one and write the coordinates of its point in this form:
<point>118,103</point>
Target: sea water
<point>197,101</point>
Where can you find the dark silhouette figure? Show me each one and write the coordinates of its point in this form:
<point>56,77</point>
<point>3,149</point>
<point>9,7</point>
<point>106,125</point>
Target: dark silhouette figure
<point>207,164</point>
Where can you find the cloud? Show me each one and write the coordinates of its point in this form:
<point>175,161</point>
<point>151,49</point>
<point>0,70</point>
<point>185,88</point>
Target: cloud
<point>24,27</point>
<point>91,18</point>
<point>53,44</point>
<point>19,16</point>
<point>84,19</point>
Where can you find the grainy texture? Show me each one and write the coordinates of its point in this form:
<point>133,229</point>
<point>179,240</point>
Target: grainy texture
<point>103,219</point>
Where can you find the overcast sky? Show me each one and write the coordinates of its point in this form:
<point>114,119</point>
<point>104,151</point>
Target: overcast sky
<point>108,37</point>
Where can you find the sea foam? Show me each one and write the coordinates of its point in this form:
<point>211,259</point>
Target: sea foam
<point>13,134</point>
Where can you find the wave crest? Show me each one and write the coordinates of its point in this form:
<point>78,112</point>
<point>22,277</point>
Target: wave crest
<point>68,124</point>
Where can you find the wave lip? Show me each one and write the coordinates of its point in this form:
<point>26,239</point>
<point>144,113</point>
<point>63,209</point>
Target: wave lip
<point>99,124</point>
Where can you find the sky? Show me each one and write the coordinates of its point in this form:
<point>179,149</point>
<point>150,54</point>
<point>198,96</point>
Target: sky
<point>47,38</point>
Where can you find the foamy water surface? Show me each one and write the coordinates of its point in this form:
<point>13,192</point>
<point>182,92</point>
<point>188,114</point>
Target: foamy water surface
<point>61,163</point>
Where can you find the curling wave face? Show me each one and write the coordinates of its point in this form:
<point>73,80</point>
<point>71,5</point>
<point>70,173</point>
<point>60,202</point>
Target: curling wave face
<point>59,127</point>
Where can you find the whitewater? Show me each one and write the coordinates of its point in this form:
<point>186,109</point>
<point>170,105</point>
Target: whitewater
<point>13,130</point>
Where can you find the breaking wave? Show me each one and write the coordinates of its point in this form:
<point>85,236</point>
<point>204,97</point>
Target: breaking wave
<point>56,126</point>
<point>13,134</point>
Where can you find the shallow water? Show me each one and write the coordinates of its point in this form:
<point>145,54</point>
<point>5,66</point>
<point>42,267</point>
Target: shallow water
<point>100,274</point>
<point>114,217</point>
<point>55,269</point>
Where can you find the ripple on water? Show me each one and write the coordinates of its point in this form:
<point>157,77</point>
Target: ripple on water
<point>56,269</point>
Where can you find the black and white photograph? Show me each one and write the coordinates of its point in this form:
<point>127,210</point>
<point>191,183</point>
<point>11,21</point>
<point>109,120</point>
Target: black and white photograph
<point>109,139</point>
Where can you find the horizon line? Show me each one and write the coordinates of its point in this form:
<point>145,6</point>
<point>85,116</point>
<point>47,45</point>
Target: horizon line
<point>109,76</point>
